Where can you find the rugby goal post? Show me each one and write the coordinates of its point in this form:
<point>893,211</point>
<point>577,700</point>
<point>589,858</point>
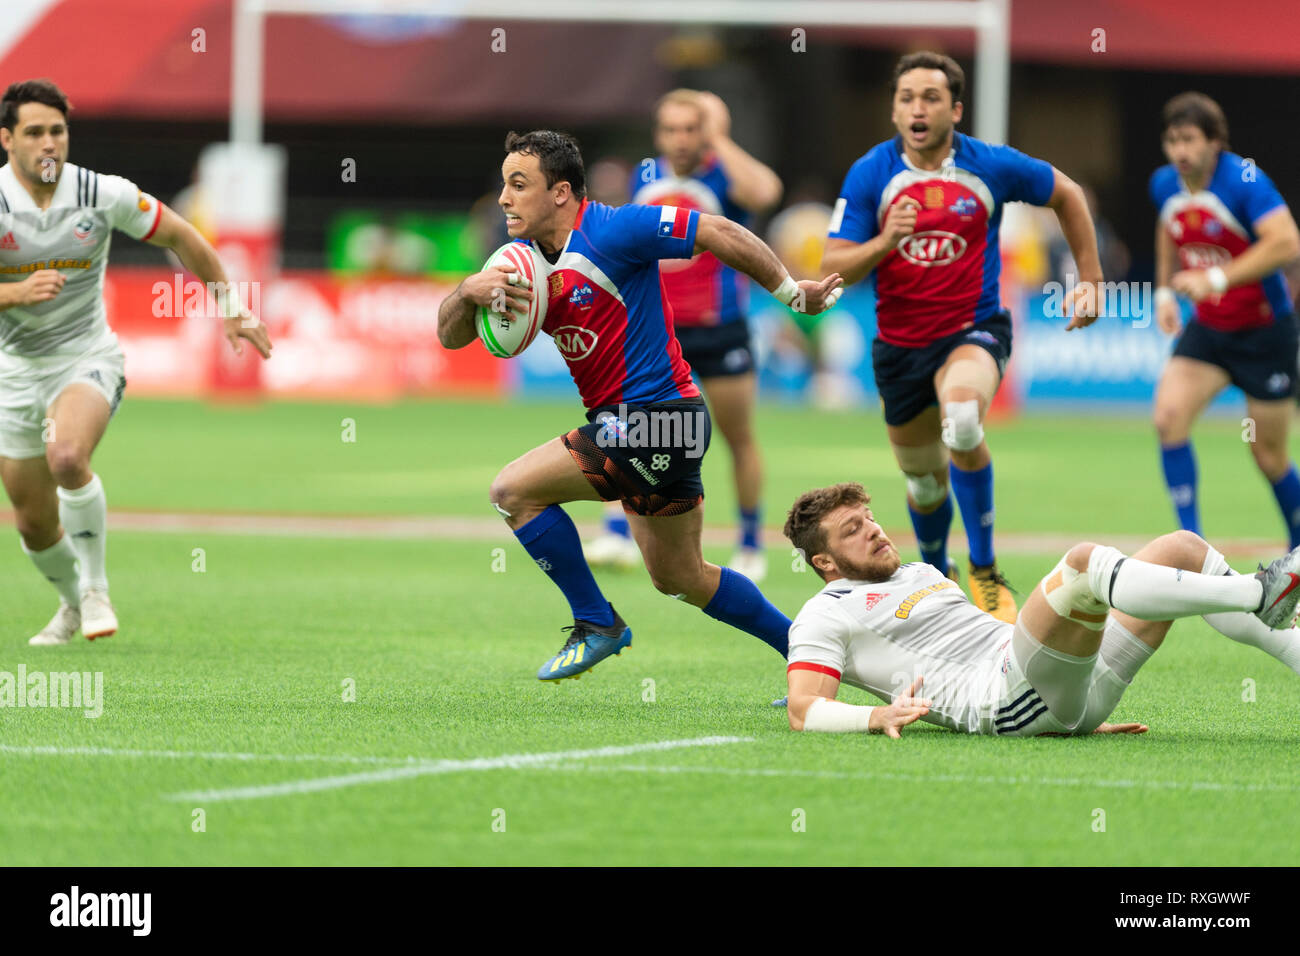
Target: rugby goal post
<point>990,19</point>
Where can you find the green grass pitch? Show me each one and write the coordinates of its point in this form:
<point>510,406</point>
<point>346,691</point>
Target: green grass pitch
<point>227,689</point>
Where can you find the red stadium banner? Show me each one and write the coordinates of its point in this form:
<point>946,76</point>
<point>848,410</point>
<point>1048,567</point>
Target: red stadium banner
<point>372,339</point>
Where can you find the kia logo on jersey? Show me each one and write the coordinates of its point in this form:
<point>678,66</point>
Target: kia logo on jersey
<point>1202,255</point>
<point>574,343</point>
<point>932,248</point>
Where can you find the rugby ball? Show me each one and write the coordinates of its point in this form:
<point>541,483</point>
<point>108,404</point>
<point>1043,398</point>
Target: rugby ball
<point>509,333</point>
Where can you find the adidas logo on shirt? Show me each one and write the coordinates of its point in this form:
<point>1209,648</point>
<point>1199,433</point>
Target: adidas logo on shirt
<point>9,242</point>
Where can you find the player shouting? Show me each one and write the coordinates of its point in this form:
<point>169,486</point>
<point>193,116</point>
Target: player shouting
<point>1231,232</point>
<point>61,369</point>
<point>603,290</point>
<point>1061,668</point>
<point>921,213</point>
<point>700,167</point>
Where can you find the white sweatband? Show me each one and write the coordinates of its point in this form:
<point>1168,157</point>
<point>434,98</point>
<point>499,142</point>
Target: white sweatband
<point>786,291</point>
<point>1164,294</point>
<point>1218,279</point>
<point>228,301</point>
<point>836,717</point>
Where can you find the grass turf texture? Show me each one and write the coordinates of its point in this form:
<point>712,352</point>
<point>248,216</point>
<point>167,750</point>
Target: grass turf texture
<point>251,655</point>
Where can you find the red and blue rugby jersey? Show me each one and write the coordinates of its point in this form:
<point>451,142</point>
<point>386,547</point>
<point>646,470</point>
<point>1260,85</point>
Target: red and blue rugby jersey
<point>702,290</point>
<point>944,277</point>
<point>1215,225</point>
<point>606,308</point>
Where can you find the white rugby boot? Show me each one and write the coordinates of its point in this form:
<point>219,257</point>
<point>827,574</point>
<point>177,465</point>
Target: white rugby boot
<point>65,623</point>
<point>1281,584</point>
<point>751,562</point>
<point>612,550</point>
<point>97,617</point>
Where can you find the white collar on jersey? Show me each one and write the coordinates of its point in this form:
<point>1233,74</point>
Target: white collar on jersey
<point>947,169</point>
<point>18,198</point>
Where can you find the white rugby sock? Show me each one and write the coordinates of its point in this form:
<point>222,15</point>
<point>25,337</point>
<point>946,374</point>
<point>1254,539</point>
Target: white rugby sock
<point>84,513</point>
<point>58,563</point>
<point>1155,592</point>
<point>1246,628</point>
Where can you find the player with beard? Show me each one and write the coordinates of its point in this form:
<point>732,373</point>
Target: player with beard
<point>920,213</point>
<point>1228,232</point>
<point>1061,668</point>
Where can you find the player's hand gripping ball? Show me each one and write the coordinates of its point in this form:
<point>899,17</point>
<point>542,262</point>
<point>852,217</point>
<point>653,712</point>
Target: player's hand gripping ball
<point>505,328</point>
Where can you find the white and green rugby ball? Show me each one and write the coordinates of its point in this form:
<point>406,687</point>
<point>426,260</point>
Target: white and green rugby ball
<point>507,334</point>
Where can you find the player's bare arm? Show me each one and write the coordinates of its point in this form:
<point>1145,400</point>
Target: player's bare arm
<point>197,255</point>
<point>813,691</point>
<point>1071,208</point>
<point>739,248</point>
<point>40,286</point>
<point>754,186</point>
<point>1277,245</point>
<point>1166,304</point>
<point>855,260</point>
<point>492,289</point>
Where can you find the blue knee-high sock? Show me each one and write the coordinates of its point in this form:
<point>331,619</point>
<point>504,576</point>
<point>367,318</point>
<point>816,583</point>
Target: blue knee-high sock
<point>552,541</point>
<point>932,533</point>
<point>749,528</point>
<point>1180,477</point>
<point>1287,491</point>
<point>974,493</point>
<point>740,603</point>
<point>616,523</point>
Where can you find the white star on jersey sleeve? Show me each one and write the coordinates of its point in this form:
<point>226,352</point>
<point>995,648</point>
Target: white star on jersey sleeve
<point>128,208</point>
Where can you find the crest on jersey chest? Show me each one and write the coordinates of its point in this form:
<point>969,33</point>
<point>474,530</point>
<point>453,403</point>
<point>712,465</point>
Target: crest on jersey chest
<point>557,284</point>
<point>83,230</point>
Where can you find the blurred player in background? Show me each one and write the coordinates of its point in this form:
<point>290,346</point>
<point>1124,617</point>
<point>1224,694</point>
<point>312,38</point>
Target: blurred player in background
<point>920,213</point>
<point>1059,668</point>
<point>62,373</point>
<point>604,288</point>
<point>1231,232</point>
<point>700,167</point>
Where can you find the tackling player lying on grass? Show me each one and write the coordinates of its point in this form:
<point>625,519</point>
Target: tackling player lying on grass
<point>1061,668</point>
<point>604,288</point>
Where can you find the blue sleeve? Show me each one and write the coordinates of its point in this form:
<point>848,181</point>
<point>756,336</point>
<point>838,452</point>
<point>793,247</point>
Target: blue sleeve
<point>854,217</point>
<point>1024,178</point>
<point>1153,189</point>
<point>1258,195</point>
<point>650,233</point>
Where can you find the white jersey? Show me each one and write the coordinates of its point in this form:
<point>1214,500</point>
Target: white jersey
<point>72,236</point>
<point>881,635</point>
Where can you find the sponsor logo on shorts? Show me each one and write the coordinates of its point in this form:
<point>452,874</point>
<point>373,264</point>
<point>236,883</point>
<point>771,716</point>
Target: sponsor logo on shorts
<point>1278,383</point>
<point>933,247</point>
<point>644,471</point>
<point>735,359</point>
<point>574,342</point>
<point>982,336</point>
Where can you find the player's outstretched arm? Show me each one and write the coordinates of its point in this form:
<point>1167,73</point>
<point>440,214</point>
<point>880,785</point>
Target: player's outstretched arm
<point>1071,208</point>
<point>498,288</point>
<point>1277,245</point>
<point>739,248</point>
<point>1166,304</point>
<point>197,255</point>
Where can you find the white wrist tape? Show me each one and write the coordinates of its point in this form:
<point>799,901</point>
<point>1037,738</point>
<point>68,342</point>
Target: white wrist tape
<point>228,301</point>
<point>835,717</point>
<point>1164,294</point>
<point>786,291</point>
<point>1218,280</point>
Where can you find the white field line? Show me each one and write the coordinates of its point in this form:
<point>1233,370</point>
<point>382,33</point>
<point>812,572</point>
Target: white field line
<point>50,751</point>
<point>427,768</point>
<point>928,778</point>
<point>489,528</point>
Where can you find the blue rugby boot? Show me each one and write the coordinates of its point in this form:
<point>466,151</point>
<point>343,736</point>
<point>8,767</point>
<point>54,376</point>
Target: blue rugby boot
<point>586,647</point>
